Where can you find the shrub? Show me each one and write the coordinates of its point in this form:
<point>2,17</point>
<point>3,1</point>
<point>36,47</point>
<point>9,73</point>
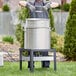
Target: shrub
<point>23,14</point>
<point>60,43</point>
<point>20,34</point>
<point>53,39</point>
<point>6,8</point>
<point>70,34</point>
<point>51,17</point>
<point>57,42</point>
<point>65,7</point>
<point>8,39</point>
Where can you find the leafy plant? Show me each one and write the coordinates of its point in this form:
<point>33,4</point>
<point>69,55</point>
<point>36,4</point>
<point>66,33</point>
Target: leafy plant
<point>65,7</point>
<point>8,39</point>
<point>70,34</point>
<point>60,43</point>
<point>6,8</point>
<point>23,14</point>
<point>20,34</point>
<point>51,17</point>
<point>53,39</point>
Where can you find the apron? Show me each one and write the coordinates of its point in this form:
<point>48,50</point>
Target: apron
<point>39,12</point>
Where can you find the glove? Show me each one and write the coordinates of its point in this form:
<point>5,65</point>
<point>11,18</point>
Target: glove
<point>22,3</point>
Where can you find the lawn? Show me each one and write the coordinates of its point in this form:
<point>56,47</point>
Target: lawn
<point>63,69</point>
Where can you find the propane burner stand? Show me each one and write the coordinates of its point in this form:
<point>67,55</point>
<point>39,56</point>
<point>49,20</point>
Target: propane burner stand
<point>33,58</point>
<point>37,38</point>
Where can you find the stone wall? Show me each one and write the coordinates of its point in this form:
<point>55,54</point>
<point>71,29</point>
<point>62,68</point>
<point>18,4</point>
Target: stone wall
<point>60,19</point>
<point>7,26</point>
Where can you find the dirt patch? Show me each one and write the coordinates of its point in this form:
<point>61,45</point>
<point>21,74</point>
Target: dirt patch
<point>11,52</point>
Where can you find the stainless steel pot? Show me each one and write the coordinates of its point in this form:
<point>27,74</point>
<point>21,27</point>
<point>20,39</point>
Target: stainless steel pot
<point>37,34</point>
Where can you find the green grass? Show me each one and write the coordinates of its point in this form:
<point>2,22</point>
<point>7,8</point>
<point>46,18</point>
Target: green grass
<point>63,69</point>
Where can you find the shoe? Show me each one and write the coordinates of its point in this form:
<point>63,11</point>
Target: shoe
<point>45,64</point>
<point>28,66</point>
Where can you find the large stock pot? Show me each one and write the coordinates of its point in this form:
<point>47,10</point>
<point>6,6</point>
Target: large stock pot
<point>37,34</point>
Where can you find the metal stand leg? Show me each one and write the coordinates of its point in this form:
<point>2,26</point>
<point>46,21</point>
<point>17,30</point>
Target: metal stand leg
<point>20,59</point>
<point>55,60</point>
<point>31,61</point>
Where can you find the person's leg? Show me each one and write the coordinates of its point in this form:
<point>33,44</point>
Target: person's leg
<point>45,64</point>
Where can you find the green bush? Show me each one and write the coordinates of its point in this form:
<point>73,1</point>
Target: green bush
<point>53,39</point>
<point>23,14</point>
<point>65,7</point>
<point>8,39</point>
<point>70,34</point>
<point>51,17</point>
<point>6,8</point>
<point>60,43</point>
<point>57,42</point>
<point>20,34</point>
